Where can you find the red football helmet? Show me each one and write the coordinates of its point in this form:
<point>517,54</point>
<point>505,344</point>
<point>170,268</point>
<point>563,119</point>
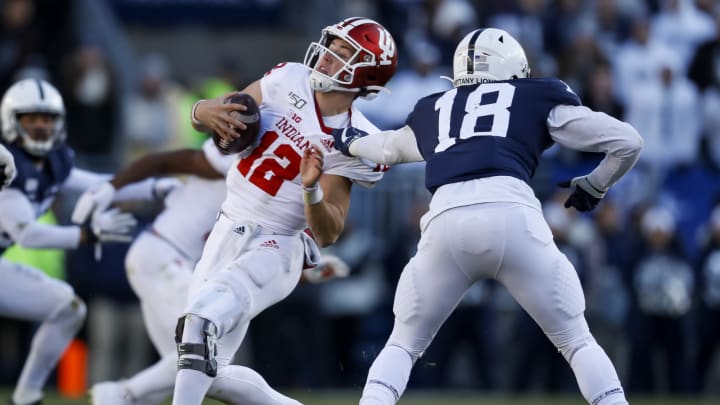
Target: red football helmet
<point>368,70</point>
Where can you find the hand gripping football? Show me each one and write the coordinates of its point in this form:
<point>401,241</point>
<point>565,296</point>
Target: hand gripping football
<point>251,118</point>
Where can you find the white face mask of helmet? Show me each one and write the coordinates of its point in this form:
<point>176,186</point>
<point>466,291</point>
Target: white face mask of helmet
<point>488,55</point>
<point>32,96</point>
<point>370,67</point>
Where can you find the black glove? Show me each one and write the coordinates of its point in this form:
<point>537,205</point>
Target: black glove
<point>585,196</point>
<point>345,136</point>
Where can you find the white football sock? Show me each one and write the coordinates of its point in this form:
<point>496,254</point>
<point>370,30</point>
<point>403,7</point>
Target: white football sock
<point>596,376</point>
<point>388,377</point>
<point>155,383</point>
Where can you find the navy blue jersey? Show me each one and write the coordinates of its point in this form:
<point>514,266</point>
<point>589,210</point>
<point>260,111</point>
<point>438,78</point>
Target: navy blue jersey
<point>489,129</point>
<point>40,184</point>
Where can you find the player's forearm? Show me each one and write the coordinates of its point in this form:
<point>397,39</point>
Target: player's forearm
<point>326,222</point>
<point>580,128</point>
<point>43,236</point>
<point>158,164</point>
<point>388,147</point>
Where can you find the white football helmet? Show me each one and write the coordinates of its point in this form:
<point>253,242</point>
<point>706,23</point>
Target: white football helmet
<point>368,70</point>
<point>488,55</point>
<point>32,96</point>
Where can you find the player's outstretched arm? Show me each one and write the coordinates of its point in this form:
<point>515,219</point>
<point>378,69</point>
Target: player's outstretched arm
<point>183,161</point>
<point>386,147</point>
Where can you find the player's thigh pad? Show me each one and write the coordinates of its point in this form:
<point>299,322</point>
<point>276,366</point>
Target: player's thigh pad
<point>431,285</point>
<point>238,289</point>
<point>30,294</point>
<point>538,275</point>
<point>158,273</point>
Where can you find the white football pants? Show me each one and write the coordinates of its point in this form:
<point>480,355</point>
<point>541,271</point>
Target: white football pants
<point>508,242</point>
<point>243,271</point>
<point>29,294</point>
<point>160,276</point>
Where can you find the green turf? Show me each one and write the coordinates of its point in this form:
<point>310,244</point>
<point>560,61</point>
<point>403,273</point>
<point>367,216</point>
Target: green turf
<point>422,398</point>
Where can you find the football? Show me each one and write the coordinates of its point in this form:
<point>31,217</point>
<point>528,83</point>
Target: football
<point>251,118</point>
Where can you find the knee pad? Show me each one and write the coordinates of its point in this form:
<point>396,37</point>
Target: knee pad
<point>73,312</point>
<point>569,341</point>
<point>205,350</point>
<point>415,349</point>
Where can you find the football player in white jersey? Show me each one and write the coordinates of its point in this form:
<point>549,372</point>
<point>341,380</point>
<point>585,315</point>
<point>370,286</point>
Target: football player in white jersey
<point>33,114</point>
<point>482,141</point>
<point>7,167</point>
<point>159,265</point>
<point>291,179</point>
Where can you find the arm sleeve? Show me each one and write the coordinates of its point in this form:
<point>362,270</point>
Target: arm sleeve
<point>141,190</point>
<point>388,147</point>
<point>221,163</point>
<point>80,180</point>
<point>17,218</point>
<point>583,129</point>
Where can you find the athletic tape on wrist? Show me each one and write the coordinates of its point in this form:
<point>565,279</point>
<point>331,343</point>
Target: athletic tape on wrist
<point>312,195</point>
<point>193,117</point>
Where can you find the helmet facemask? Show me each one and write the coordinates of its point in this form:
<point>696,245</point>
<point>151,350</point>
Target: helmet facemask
<point>32,96</point>
<point>38,143</point>
<point>365,72</point>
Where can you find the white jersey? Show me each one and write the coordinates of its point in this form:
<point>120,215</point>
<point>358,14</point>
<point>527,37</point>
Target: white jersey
<point>265,187</point>
<point>190,211</point>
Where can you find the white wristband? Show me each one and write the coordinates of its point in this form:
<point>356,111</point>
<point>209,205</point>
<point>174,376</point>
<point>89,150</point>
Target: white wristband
<point>193,117</point>
<point>312,195</point>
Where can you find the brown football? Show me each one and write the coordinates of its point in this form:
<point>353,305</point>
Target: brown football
<point>251,118</point>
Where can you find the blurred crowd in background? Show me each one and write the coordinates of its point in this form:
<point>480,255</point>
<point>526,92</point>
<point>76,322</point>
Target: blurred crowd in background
<point>649,255</point>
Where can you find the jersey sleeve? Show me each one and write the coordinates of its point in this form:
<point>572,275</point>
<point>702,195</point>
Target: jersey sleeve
<point>221,163</point>
<point>274,81</point>
<point>18,221</point>
<point>360,171</point>
<point>559,93</point>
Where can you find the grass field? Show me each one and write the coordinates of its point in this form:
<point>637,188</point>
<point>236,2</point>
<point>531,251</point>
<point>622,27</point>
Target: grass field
<point>424,398</point>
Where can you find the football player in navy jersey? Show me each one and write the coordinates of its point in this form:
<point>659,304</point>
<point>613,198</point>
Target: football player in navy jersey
<point>482,141</point>
<point>33,130</point>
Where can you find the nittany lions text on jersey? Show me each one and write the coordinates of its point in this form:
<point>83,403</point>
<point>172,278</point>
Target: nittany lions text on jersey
<point>489,129</point>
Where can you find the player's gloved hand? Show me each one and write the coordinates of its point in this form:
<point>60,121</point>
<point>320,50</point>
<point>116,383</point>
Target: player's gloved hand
<point>345,136</point>
<point>584,196</point>
<point>96,199</point>
<point>7,167</point>
<point>164,186</point>
<point>328,267</point>
<point>111,226</point>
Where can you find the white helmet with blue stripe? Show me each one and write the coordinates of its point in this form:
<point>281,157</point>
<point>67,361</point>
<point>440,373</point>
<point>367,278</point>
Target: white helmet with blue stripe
<point>32,96</point>
<point>488,55</point>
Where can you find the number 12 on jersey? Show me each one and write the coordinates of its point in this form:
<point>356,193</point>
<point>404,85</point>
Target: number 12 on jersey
<point>496,111</point>
<point>270,173</point>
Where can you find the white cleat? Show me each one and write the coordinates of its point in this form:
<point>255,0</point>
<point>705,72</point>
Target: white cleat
<point>109,393</point>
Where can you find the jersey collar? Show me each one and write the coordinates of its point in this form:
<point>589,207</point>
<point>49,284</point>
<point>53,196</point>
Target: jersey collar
<point>323,127</point>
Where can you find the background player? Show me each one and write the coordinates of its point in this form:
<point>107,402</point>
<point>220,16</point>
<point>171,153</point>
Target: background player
<point>33,130</point>
<point>482,141</point>
<point>252,257</point>
<point>7,167</point>
<point>159,265</point>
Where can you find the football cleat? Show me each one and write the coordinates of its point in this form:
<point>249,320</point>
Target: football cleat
<point>109,393</point>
